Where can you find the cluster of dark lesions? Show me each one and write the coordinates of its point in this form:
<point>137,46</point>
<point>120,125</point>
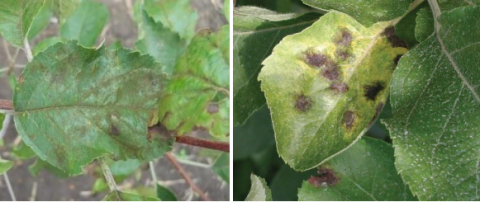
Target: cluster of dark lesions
<point>326,177</point>
<point>343,40</point>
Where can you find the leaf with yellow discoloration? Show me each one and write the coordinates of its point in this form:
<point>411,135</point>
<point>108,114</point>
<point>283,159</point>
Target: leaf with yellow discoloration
<point>326,85</point>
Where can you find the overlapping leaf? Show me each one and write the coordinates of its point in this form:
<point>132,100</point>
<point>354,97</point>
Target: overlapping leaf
<point>221,167</point>
<point>364,172</point>
<point>435,101</point>
<point>16,17</point>
<point>255,32</point>
<point>121,196</point>
<point>259,190</point>
<point>198,93</point>
<point>326,85</point>
<point>89,103</point>
<point>165,194</point>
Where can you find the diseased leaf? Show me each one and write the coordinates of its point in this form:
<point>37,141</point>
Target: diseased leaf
<point>40,21</point>
<point>160,42</point>
<point>364,172</point>
<point>221,167</point>
<point>326,85</point>
<point>255,32</point>
<point>64,8</point>
<point>121,196</point>
<point>5,166</point>
<point>435,101</point>
<point>165,194</point>
<point>177,15</point>
<point>198,92</point>
<point>365,12</point>
<point>86,23</point>
<point>89,103</point>
<point>16,17</point>
<point>259,190</point>
<point>44,44</point>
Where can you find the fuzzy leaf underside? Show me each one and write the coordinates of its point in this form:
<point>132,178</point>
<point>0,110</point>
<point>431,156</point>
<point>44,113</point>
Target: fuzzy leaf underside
<point>198,92</point>
<point>321,101</point>
<point>122,196</point>
<point>89,103</point>
<point>364,172</point>
<point>255,32</point>
<point>435,101</point>
<point>259,190</point>
<point>16,17</point>
<point>366,12</point>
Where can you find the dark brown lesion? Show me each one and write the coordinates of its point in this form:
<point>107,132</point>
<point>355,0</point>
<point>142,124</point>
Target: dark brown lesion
<point>114,130</point>
<point>371,91</point>
<point>349,119</point>
<point>394,40</point>
<point>345,38</point>
<point>316,59</point>
<point>212,108</point>
<point>339,87</point>
<point>326,177</point>
<point>303,103</point>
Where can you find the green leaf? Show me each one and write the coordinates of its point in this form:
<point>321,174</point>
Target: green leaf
<point>44,44</point>
<point>100,185</point>
<point>2,117</point>
<point>435,101</point>
<point>16,17</point>
<point>226,9</point>
<point>124,168</point>
<point>253,136</point>
<point>89,103</point>
<point>40,21</point>
<point>405,29</point>
<point>23,151</point>
<point>365,12</point>
<point>5,166</point>
<point>165,194</point>
<point>64,8</point>
<point>364,172</point>
<point>424,24</point>
<point>287,182</point>
<point>221,167</point>
<point>198,93</point>
<point>40,165</point>
<point>121,196</point>
<point>447,5</point>
<point>177,15</point>
<point>86,23</point>
<point>160,42</point>
<point>259,190</point>
<point>255,32</point>
<point>326,85</point>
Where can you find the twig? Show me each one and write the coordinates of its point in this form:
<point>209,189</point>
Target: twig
<point>9,186</point>
<point>109,177</point>
<point>27,50</point>
<point>34,191</point>
<point>193,163</point>
<point>221,146</point>
<point>5,124</point>
<point>153,173</point>
<point>187,178</point>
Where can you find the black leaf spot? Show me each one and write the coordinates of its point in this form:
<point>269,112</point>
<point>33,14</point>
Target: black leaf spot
<point>371,91</point>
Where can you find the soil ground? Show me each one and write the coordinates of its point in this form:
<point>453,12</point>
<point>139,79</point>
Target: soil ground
<point>50,187</point>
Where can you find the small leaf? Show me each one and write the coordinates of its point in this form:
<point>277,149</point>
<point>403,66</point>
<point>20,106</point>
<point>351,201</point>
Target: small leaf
<point>255,32</point>
<point>40,22</point>
<point>177,15</point>
<point>121,196</point>
<point>16,17</point>
<point>64,8</point>
<point>365,12</point>
<point>23,151</point>
<point>40,165</point>
<point>364,172</point>
<point>326,85</point>
<point>90,103</point>
<point>221,167</point>
<point>198,93</point>
<point>259,190</point>
<point>435,99</point>
<point>44,44</point>
<point>100,185</point>
<point>424,24</point>
<point>5,166</point>
<point>165,194</point>
<point>86,23</point>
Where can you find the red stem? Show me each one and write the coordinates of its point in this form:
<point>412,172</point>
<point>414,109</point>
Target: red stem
<point>220,146</point>
<point>6,104</point>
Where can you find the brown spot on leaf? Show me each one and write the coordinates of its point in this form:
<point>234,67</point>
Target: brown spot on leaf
<point>348,119</point>
<point>114,130</point>
<point>394,39</point>
<point>377,113</point>
<point>303,103</point>
<point>345,39</point>
<point>316,59</point>
<point>212,108</point>
<point>371,91</point>
<point>342,54</point>
<point>331,73</point>
<point>339,87</point>
<point>326,178</point>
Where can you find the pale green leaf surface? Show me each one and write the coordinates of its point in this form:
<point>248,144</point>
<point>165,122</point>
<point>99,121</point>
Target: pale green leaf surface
<point>321,106</point>
<point>177,15</point>
<point>259,190</point>
<point>89,103</point>
<point>364,172</point>
<point>165,194</point>
<point>86,23</point>
<point>198,92</point>
<point>121,196</point>
<point>255,32</point>
<point>5,166</point>
<point>366,12</point>
<point>40,22</point>
<point>16,17</point>
<point>64,8</point>
<point>221,167</point>
<point>435,101</point>
<point>160,42</point>
<point>44,44</point>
